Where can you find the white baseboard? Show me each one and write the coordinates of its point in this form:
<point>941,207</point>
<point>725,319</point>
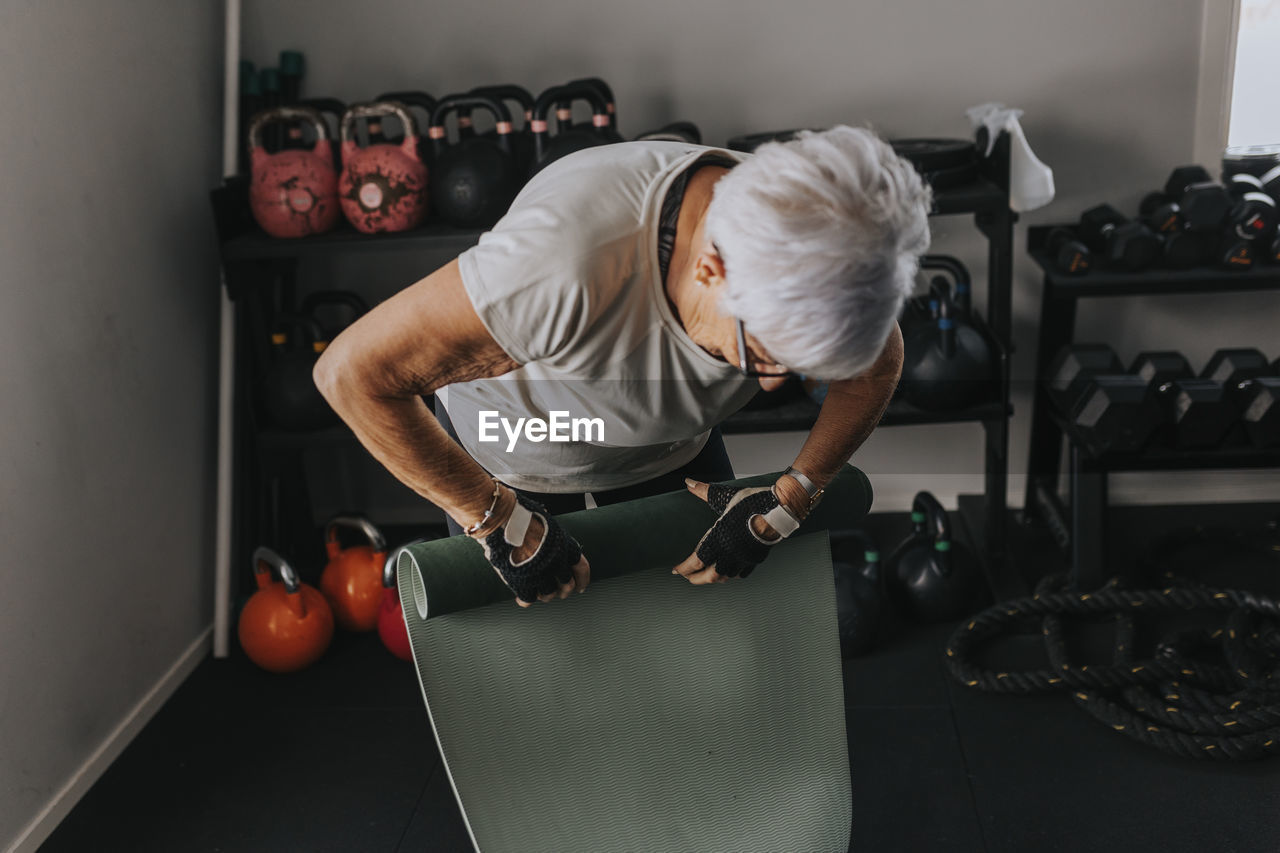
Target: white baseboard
<point>61,804</point>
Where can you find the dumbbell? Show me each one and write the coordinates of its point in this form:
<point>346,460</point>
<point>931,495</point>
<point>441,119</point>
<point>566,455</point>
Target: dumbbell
<point>1069,255</point>
<point>1181,248</point>
<point>1254,388</point>
<point>1204,202</point>
<point>1124,243</point>
<point>1110,410</point>
<point>1254,215</point>
<point>1197,412</point>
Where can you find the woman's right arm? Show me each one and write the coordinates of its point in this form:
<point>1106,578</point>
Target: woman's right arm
<point>375,373</point>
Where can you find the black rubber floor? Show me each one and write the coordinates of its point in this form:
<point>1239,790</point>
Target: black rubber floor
<point>341,757</point>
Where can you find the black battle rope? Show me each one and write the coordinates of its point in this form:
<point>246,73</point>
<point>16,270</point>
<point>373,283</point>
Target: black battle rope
<point>1174,701</point>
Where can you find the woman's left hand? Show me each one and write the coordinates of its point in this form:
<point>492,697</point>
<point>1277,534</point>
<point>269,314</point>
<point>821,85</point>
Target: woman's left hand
<point>741,537</point>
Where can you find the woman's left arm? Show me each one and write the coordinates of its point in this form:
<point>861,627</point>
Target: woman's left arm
<point>851,411</point>
<point>849,414</point>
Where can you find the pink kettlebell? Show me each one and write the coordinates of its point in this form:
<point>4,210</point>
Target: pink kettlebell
<point>293,192</point>
<point>383,187</point>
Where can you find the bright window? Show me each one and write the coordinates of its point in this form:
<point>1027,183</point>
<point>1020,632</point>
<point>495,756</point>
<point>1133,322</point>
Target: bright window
<point>1255,91</point>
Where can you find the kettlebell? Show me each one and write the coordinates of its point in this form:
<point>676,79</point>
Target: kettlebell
<point>391,627</point>
<point>476,177</point>
<point>610,132</point>
<point>320,308</point>
<point>930,577</point>
<point>286,625</point>
<point>290,396</point>
<point>859,590</point>
<point>547,149</point>
<point>293,192</point>
<point>420,101</point>
<point>676,131</point>
<point>522,139</point>
<point>949,364</point>
<point>352,579</point>
<point>383,187</point>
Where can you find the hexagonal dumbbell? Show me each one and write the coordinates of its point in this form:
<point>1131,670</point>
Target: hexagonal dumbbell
<point>1203,201</point>
<point>1197,413</point>
<point>1126,244</point>
<point>1254,387</point>
<point>1110,411</point>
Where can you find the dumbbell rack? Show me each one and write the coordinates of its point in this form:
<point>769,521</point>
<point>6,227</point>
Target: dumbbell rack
<point>270,495</point>
<point>1079,527</point>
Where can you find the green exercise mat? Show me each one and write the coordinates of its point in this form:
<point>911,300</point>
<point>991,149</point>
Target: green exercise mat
<point>646,714</point>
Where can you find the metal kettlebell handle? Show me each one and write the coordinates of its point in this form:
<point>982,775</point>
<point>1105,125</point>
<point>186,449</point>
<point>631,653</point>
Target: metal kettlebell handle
<point>389,567</point>
<point>935,516</point>
<point>959,273</point>
<point>606,92</point>
<point>334,297</point>
<point>458,103</point>
<point>297,321</point>
<point>283,114</point>
<point>510,92</point>
<point>355,522</point>
<point>267,560</point>
<point>568,94</point>
<point>378,110</point>
<point>411,98</point>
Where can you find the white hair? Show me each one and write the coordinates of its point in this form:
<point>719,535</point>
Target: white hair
<point>820,237</point>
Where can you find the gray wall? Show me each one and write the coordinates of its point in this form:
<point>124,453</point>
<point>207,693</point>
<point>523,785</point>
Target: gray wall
<point>1109,92</point>
<point>108,364</point>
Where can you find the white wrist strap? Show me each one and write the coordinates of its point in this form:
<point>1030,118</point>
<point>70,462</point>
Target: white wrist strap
<point>517,525</point>
<point>781,520</point>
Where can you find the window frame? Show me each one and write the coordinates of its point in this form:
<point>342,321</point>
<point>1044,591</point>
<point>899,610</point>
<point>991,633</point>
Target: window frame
<point>1219,31</point>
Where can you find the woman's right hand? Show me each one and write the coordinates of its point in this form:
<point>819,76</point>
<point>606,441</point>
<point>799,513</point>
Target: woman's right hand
<point>534,556</point>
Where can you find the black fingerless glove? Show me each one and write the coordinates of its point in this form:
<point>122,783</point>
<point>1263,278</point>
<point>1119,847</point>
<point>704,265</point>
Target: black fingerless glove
<point>550,566</point>
<point>731,545</point>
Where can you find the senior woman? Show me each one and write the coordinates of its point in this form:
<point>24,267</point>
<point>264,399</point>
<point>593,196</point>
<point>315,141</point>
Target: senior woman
<point>642,291</point>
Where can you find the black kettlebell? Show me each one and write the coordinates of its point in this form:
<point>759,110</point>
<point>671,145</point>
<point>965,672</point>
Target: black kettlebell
<point>676,131</point>
<point>290,397</point>
<point>546,148</point>
<point>522,139</point>
<point>473,180</point>
<point>930,577</point>
<point>424,104</point>
<point>332,311</point>
<point>859,590</point>
<point>949,364</point>
<point>921,313</point>
<point>610,106</point>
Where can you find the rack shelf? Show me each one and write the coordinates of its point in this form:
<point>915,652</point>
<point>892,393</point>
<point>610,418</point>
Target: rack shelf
<point>1081,528</point>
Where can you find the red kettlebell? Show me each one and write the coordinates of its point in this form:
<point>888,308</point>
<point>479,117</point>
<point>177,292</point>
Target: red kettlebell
<point>286,625</point>
<point>352,580</point>
<point>383,187</point>
<point>293,192</point>
<point>391,627</point>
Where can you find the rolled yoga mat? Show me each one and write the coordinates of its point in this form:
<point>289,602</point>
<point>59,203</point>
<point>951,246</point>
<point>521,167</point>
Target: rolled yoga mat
<point>646,714</point>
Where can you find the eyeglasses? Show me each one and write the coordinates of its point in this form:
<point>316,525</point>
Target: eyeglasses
<point>746,367</point>
<point>743,364</point>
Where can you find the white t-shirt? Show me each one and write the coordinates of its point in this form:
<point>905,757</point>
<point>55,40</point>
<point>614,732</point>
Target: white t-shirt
<point>569,286</point>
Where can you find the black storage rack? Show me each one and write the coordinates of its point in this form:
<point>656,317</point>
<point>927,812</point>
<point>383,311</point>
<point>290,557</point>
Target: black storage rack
<point>1079,527</point>
<point>261,273</point>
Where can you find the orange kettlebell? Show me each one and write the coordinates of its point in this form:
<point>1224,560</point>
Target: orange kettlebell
<point>391,615</point>
<point>352,580</point>
<point>286,625</point>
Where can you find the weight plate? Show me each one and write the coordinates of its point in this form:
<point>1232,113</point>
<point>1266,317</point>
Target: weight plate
<point>956,176</point>
<point>932,155</point>
<point>1253,160</point>
<point>751,141</point>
